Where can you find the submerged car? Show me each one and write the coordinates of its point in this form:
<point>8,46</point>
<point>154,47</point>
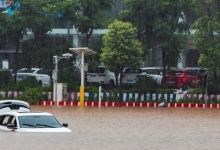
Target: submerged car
<point>15,115</point>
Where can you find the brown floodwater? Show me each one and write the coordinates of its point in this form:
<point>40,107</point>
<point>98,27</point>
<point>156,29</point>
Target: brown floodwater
<point>125,128</point>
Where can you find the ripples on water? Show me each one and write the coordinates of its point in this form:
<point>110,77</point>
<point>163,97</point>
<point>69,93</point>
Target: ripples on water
<point>125,128</point>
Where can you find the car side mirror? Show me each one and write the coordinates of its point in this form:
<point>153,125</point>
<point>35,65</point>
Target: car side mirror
<point>65,124</point>
<point>10,126</point>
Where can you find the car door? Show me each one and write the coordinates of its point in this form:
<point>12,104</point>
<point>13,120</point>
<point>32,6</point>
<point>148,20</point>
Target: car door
<point>42,75</point>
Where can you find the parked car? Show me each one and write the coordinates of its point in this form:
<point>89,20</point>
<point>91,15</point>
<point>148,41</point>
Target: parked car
<point>151,70</point>
<point>41,75</point>
<point>188,77</point>
<point>129,75</point>
<point>101,76</point>
<point>15,115</point>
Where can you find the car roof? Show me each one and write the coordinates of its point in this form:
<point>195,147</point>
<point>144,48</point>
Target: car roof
<point>25,113</point>
<point>30,69</point>
<point>148,68</point>
<point>194,68</point>
<point>12,105</point>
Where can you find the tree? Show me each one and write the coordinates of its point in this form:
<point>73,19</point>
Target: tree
<point>2,31</point>
<point>85,16</point>
<point>160,23</point>
<point>15,30</point>
<point>39,51</point>
<point>23,16</point>
<point>93,60</point>
<point>206,38</point>
<point>121,49</point>
<point>91,14</point>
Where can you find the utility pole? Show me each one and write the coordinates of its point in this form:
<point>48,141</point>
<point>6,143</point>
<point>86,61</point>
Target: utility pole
<point>55,61</point>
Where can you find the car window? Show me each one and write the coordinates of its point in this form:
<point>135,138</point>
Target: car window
<point>151,71</point>
<point>175,72</point>
<point>156,72</point>
<point>189,72</point>
<point>132,71</point>
<point>193,72</point>
<point>145,71</point>
<point>4,120</point>
<point>202,71</point>
<point>98,70</point>
<point>126,71</point>
<point>26,71</point>
<point>41,71</point>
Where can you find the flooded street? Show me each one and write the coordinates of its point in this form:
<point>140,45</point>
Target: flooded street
<point>125,128</point>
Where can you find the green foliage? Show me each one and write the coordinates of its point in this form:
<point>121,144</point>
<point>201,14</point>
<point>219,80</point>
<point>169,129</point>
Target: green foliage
<point>196,91</point>
<point>166,91</point>
<point>206,37</point>
<point>94,15</point>
<point>159,24</point>
<point>28,82</point>
<point>213,88</point>
<point>93,60</point>
<point>32,95</point>
<point>71,76</point>
<point>184,100</point>
<point>121,49</point>
<point>5,78</point>
<point>45,47</point>
<point>92,89</point>
<point>146,84</point>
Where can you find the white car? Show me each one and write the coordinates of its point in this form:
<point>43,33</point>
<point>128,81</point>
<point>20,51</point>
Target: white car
<point>41,75</point>
<point>153,72</point>
<point>101,76</point>
<point>129,76</point>
<point>150,70</point>
<point>15,115</point>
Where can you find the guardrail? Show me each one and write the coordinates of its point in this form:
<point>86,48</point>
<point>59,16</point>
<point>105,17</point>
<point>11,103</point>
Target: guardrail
<point>74,96</point>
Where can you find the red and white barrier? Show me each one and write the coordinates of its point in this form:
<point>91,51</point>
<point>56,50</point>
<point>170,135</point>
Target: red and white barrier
<point>128,104</point>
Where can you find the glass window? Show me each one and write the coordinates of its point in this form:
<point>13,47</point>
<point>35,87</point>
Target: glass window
<point>38,122</point>
<point>26,71</point>
<point>41,71</point>
<point>5,120</point>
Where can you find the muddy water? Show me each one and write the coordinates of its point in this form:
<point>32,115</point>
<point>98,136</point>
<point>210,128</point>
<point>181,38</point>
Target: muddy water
<point>125,128</point>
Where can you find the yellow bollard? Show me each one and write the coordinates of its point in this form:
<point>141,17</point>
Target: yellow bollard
<point>81,96</point>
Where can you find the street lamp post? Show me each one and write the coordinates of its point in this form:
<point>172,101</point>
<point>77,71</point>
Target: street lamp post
<point>55,61</point>
<point>83,51</point>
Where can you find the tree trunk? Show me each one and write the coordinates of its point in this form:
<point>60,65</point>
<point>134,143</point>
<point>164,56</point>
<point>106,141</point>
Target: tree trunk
<point>16,61</point>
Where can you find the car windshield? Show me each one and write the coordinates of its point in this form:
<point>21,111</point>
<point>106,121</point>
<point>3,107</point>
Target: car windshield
<point>38,122</point>
<point>175,72</point>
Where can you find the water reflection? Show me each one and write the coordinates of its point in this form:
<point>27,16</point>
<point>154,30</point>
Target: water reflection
<point>129,128</point>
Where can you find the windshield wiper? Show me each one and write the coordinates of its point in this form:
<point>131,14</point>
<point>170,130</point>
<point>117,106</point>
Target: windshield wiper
<point>45,125</point>
<point>30,125</point>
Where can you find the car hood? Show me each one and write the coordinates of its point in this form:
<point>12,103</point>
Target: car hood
<point>63,129</point>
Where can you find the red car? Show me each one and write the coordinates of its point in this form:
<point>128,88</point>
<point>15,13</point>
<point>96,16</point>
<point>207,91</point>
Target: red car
<point>189,77</point>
